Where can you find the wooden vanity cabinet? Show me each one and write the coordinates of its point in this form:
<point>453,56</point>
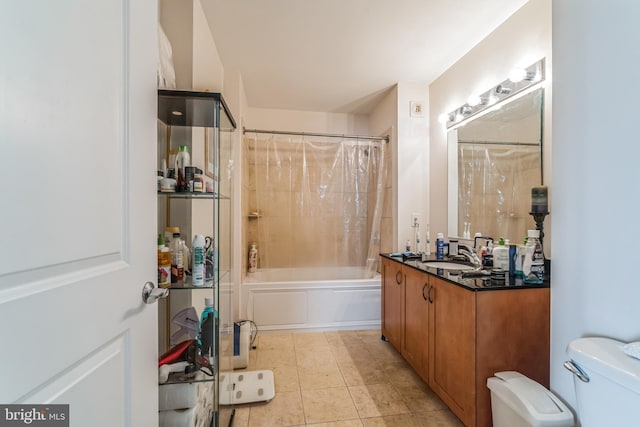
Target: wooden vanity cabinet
<point>415,315</point>
<point>456,337</point>
<point>392,296</point>
<point>473,335</point>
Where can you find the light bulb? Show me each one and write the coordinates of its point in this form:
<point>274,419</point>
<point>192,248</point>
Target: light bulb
<point>443,118</point>
<point>517,75</point>
<point>473,100</point>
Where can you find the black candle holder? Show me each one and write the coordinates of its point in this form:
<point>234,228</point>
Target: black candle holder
<point>538,217</point>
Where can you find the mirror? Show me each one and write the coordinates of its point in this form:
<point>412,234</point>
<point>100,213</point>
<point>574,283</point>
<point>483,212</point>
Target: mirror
<point>494,160</point>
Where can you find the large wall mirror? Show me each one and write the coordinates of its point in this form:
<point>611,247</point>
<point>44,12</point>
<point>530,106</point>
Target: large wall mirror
<point>494,161</point>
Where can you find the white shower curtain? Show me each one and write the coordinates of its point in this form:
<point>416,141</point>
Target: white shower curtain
<point>314,202</point>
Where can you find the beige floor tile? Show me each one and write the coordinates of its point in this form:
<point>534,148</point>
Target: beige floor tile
<point>286,378</point>
<point>381,350</point>
<point>362,373</point>
<point>320,376</point>
<point>377,400</point>
<point>268,359</point>
<point>347,423</point>
<point>419,398</point>
<point>275,341</point>
<point>309,357</point>
<point>443,418</point>
<point>343,338</point>
<point>285,409</point>
<point>352,354</point>
<point>328,405</point>
<point>241,417</point>
<point>404,420</point>
<point>310,340</point>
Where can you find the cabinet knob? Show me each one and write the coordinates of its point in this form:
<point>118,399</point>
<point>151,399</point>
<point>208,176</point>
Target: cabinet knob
<point>399,277</point>
<point>151,294</point>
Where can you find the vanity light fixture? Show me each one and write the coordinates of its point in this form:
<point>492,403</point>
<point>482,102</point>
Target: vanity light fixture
<point>517,82</point>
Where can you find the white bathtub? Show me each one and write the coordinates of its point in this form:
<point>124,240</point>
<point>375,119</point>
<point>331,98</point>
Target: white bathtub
<point>312,298</point>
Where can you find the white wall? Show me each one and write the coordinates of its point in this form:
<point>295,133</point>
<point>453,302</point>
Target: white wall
<point>595,289</point>
<point>520,41</point>
<point>412,163</point>
<point>306,121</point>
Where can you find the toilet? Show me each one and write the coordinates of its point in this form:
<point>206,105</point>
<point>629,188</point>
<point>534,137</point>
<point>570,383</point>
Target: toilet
<point>607,384</point>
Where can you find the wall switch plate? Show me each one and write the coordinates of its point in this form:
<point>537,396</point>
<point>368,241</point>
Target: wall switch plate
<point>417,109</point>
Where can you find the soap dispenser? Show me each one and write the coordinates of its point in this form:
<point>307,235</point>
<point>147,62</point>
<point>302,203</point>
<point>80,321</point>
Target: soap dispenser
<point>501,256</point>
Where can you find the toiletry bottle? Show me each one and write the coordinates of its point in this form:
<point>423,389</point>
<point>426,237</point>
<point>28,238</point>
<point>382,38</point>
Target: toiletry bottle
<point>253,258</point>
<point>207,329</point>
<point>164,264</point>
<point>533,262</point>
<point>182,159</point>
<point>197,266</point>
<point>439,246</point>
<point>512,257</point>
<point>177,262</point>
<point>408,246</point>
<point>501,256</point>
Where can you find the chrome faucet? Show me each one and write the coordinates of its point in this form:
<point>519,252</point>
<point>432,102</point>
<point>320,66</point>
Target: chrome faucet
<point>470,254</point>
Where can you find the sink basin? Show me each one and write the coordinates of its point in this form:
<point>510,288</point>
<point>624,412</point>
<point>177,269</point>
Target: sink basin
<point>447,265</point>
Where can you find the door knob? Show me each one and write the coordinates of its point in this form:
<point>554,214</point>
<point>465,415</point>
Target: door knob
<point>151,294</point>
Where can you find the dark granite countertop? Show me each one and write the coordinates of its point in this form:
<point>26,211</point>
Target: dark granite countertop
<point>471,283</point>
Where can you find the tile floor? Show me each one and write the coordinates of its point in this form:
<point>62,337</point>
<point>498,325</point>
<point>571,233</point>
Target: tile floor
<point>340,379</point>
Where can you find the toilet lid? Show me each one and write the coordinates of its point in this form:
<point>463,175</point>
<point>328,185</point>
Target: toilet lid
<point>607,358</point>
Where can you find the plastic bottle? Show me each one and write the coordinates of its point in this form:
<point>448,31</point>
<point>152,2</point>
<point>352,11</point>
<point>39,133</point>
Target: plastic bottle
<point>501,256</point>
<point>182,159</point>
<point>439,246</point>
<point>164,264</point>
<point>253,258</point>
<point>206,335</point>
<point>177,260</point>
<point>197,265</point>
<point>533,262</point>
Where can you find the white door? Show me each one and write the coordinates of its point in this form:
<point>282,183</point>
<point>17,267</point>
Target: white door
<point>77,210</point>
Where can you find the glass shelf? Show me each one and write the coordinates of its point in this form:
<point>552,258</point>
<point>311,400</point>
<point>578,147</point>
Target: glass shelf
<point>187,284</point>
<point>189,195</point>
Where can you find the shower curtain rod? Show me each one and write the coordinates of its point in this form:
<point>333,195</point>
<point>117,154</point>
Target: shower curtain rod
<point>328,135</point>
<point>530,144</point>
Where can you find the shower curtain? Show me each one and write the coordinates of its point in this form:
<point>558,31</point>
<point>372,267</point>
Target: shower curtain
<point>494,188</point>
<point>314,202</point>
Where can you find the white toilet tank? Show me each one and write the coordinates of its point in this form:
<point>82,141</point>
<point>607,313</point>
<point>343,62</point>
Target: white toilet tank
<point>611,397</point>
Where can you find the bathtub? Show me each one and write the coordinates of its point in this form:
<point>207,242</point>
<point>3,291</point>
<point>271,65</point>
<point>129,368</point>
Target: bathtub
<point>312,299</point>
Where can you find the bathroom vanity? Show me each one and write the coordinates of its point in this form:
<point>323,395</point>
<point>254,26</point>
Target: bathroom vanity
<point>456,332</point>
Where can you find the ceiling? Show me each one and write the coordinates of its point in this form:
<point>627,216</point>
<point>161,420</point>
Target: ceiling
<point>344,55</point>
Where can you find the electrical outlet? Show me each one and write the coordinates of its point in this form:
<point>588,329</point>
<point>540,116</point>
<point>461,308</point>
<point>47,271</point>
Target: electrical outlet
<point>415,219</point>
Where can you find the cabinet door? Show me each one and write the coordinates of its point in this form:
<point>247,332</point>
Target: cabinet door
<point>415,343</point>
<point>392,288</point>
<point>452,336</point>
